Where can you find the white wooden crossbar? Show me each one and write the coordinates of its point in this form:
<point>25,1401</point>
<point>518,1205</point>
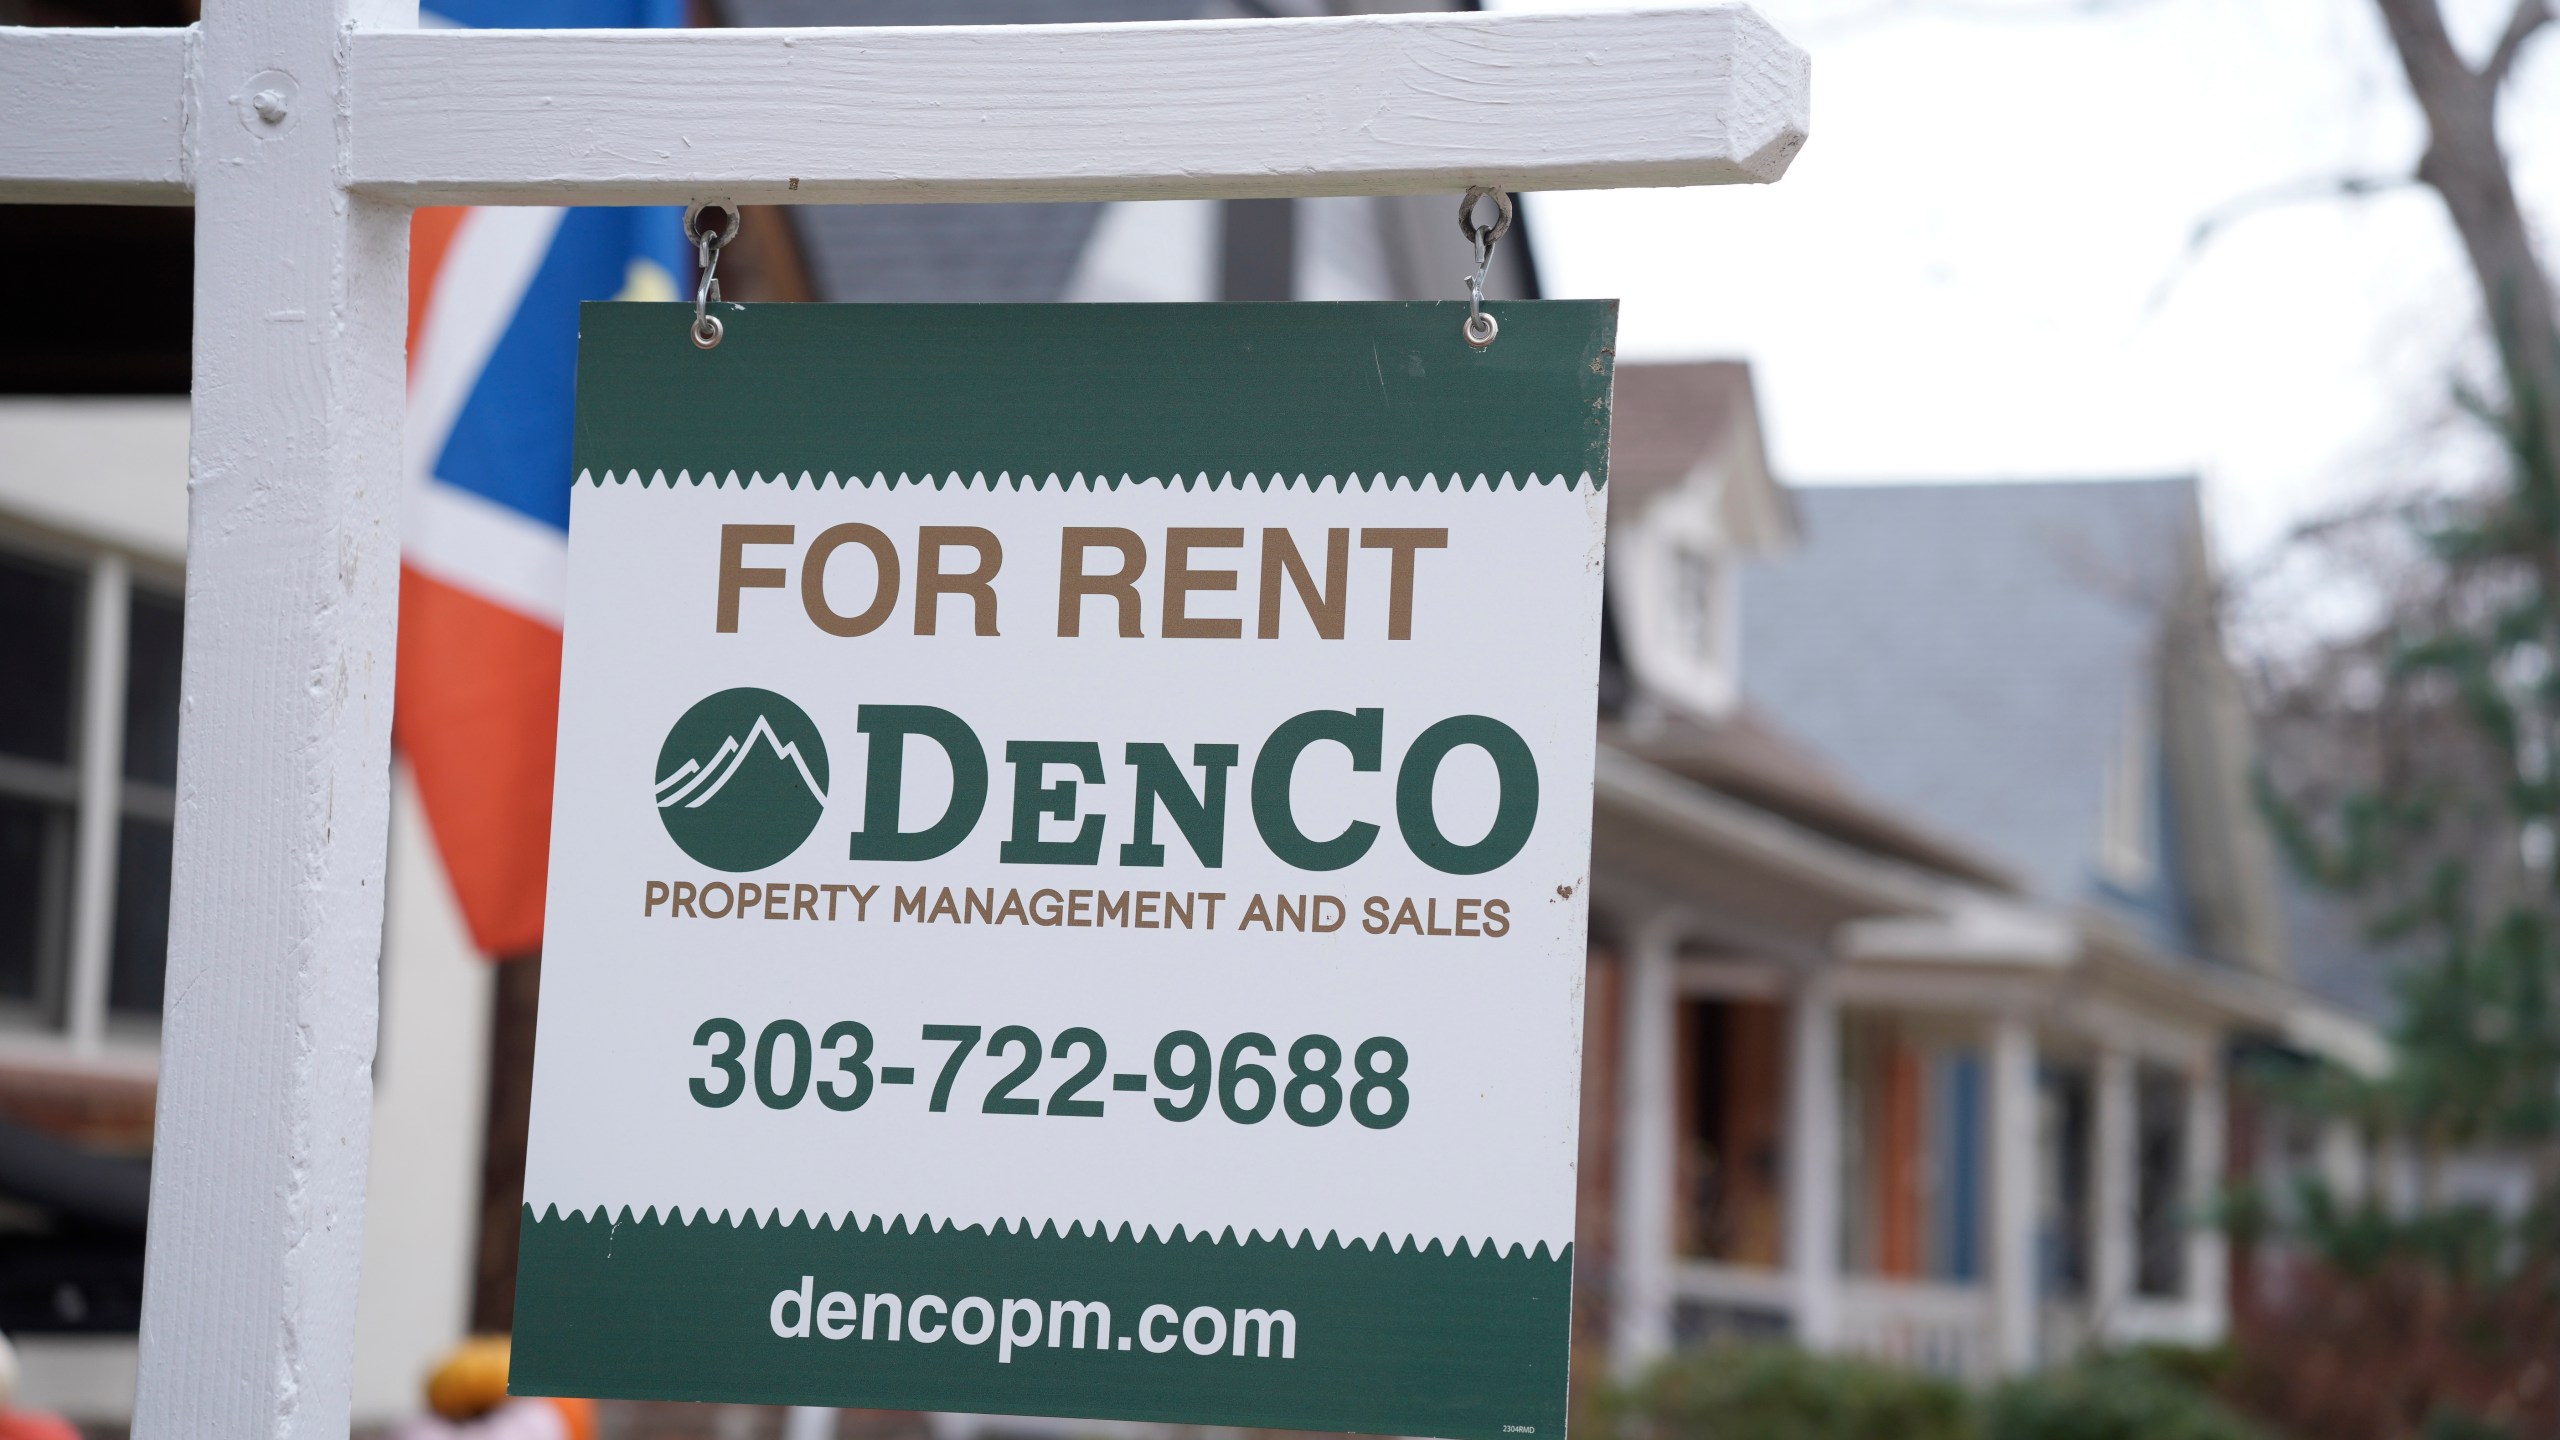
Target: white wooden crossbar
<point>1375,105</point>
<point>95,116</point>
<point>1364,105</point>
<point>304,131</point>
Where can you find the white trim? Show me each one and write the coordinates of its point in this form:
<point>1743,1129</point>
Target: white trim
<point>101,768</point>
<point>1715,1283</point>
<point>1648,1147</point>
<point>1728,979</point>
<point>2208,1249</point>
<point>2334,1034</point>
<point>1645,791</point>
<point>2012,1213</point>
<point>79,1377</point>
<point>1813,1161</point>
<point>100,470</point>
<point>2145,1034</point>
<point>2113,1137</point>
<point>117,1056</point>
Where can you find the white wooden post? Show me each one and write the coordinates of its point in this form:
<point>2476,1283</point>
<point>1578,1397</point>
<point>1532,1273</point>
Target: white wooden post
<point>2112,1187</point>
<point>2013,1192</point>
<point>1813,1160</point>
<point>1640,1324</point>
<point>304,130</point>
<point>257,1181</point>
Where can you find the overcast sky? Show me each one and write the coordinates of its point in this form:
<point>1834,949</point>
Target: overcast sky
<point>1964,275</point>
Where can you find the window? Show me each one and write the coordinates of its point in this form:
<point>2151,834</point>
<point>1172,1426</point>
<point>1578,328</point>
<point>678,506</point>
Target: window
<point>147,804</point>
<point>1677,592</point>
<point>1693,604</point>
<point>88,771</point>
<point>40,614</point>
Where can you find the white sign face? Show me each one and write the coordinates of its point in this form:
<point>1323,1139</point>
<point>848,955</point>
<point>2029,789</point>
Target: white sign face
<point>1067,945</point>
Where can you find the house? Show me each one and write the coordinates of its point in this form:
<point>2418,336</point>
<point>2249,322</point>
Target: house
<point>1929,907</point>
<point>93,516</point>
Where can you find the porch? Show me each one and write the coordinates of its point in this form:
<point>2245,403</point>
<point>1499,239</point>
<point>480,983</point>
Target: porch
<point>1928,1143</point>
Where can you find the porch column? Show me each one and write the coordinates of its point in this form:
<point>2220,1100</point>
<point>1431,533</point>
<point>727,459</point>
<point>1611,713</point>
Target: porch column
<point>2208,1249</point>
<point>1813,1160</point>
<point>2013,1193</point>
<point>2111,1174</point>
<point>1640,1325</point>
<point>2344,1166</point>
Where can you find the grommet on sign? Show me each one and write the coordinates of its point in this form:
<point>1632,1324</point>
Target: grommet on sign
<point>706,249</point>
<point>1480,327</point>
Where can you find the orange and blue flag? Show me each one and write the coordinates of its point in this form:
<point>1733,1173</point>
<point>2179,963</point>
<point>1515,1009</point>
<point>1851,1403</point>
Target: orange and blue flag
<point>493,347</point>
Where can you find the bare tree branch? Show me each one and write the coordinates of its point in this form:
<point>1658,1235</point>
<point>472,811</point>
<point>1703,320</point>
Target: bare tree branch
<point>2467,166</point>
<point>2529,16</point>
<point>2240,207</point>
<point>2426,51</point>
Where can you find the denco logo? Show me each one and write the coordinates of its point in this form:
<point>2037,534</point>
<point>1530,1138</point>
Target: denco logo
<point>742,779</point>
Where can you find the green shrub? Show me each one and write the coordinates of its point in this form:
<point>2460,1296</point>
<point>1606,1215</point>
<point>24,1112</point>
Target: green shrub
<point>1776,1392</point>
<point>1770,1392</point>
<point>2456,1425</point>
<point>2115,1398</point>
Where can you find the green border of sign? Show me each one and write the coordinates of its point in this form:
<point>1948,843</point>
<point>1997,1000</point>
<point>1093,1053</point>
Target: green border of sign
<point>1411,1340</point>
<point>1145,391</point>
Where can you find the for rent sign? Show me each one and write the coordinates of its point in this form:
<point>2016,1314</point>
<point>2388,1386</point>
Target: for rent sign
<point>1068,878</point>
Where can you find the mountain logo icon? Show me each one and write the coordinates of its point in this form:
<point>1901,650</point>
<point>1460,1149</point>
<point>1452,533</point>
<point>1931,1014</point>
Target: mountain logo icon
<point>742,779</point>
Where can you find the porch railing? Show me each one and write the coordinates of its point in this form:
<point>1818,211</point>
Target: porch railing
<point>1941,1329</point>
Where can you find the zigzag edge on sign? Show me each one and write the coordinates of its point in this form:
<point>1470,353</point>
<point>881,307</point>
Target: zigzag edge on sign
<point>1460,1248</point>
<point>1008,480</point>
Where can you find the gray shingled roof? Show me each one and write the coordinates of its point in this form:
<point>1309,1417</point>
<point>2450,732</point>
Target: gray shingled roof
<point>1973,654</point>
<point>945,252</point>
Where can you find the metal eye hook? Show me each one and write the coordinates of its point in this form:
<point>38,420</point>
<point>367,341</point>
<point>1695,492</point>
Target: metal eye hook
<point>1484,236</point>
<point>706,249</point>
<point>1481,328</point>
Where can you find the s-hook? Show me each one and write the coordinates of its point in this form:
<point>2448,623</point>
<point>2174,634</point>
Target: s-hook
<point>706,250</point>
<point>1481,327</point>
